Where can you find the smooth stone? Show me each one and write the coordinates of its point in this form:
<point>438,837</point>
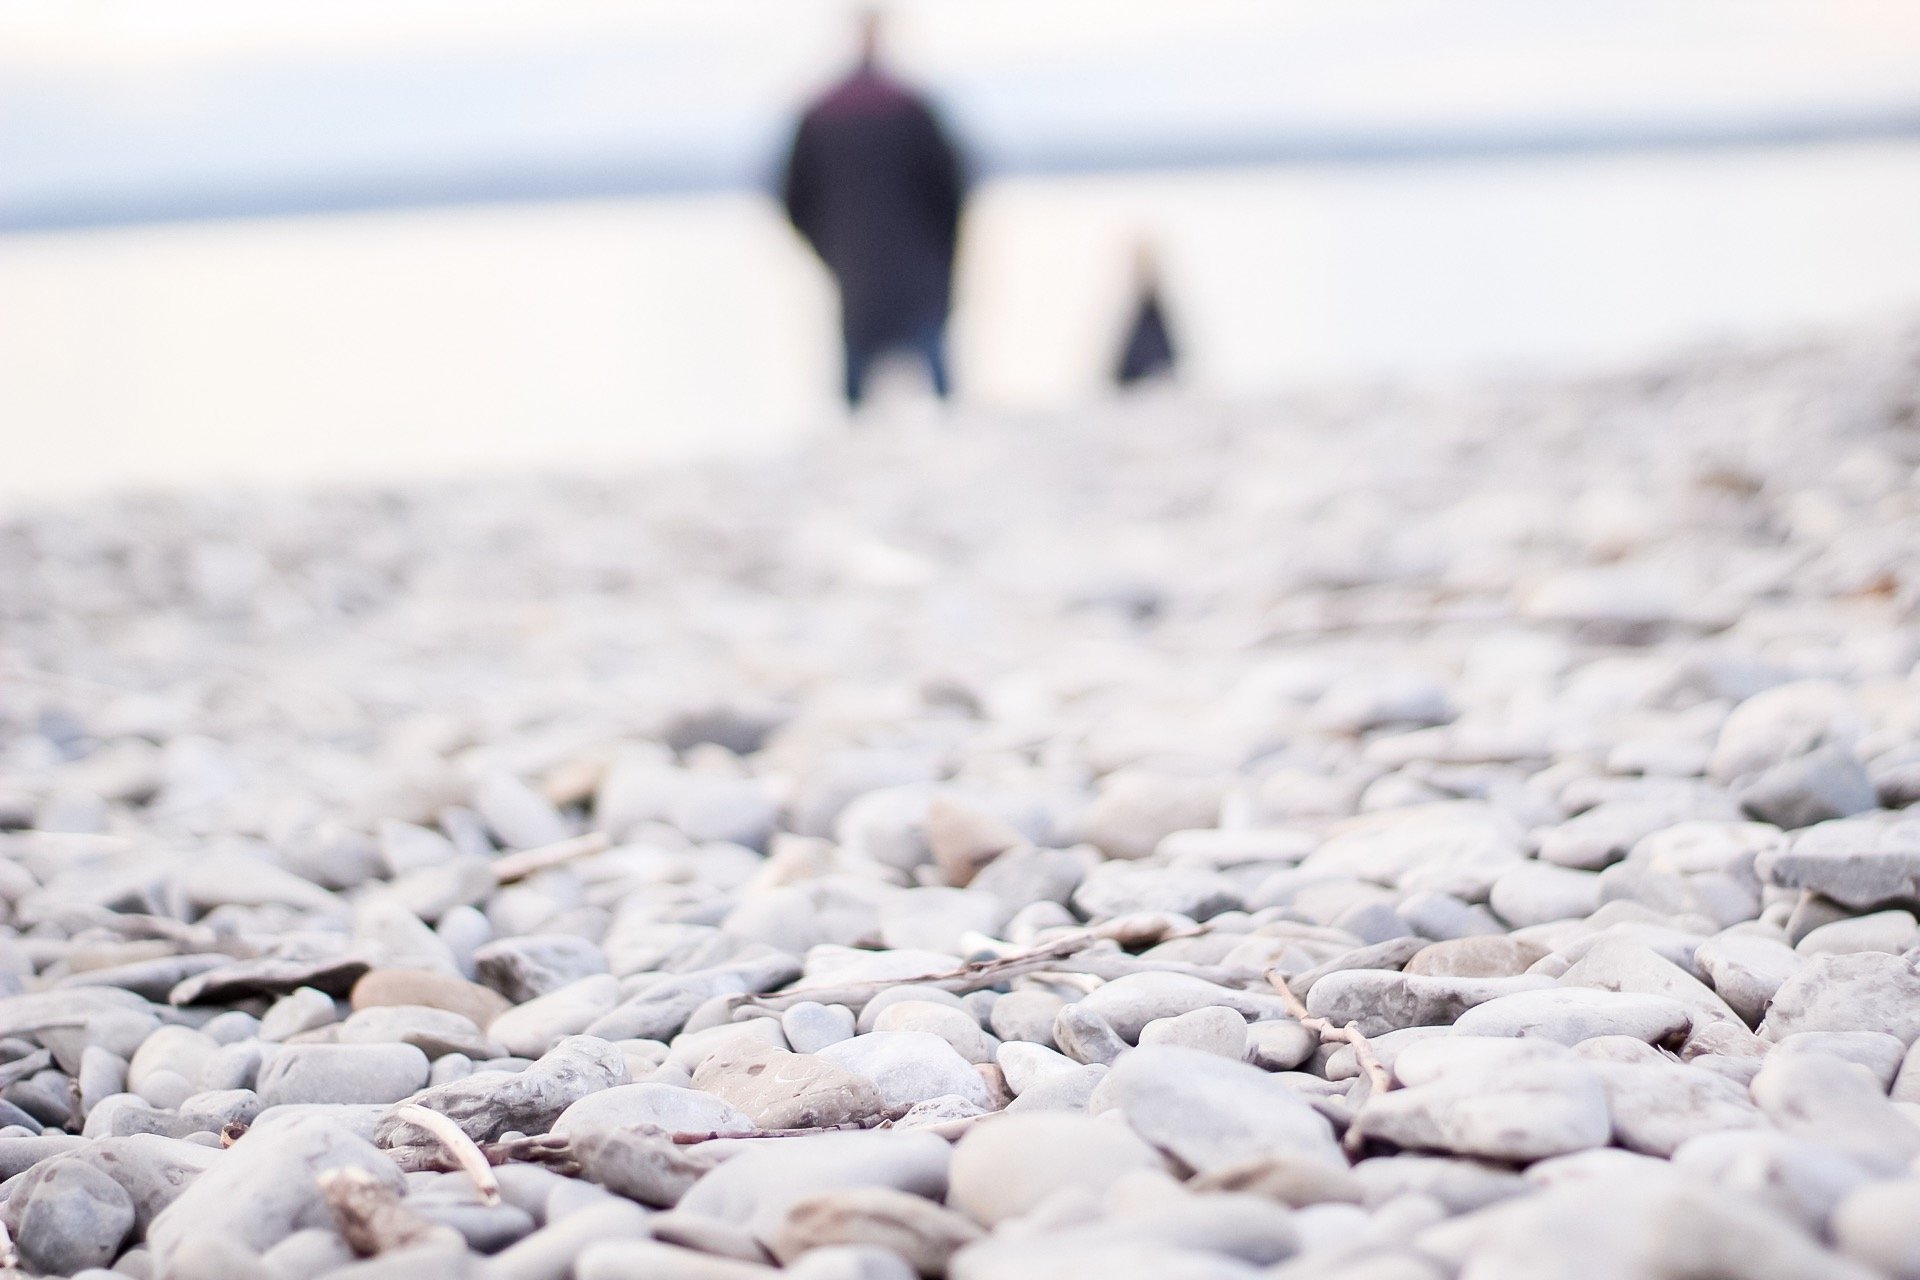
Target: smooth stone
<point>1836,1104</point>
<point>302,1009</point>
<point>1879,1225</point>
<point>1538,892</point>
<point>435,1032</point>
<point>1505,1102</point>
<point>661,1106</point>
<point>1792,1176</point>
<point>1061,1091</point>
<point>1085,1036</point>
<point>182,1051</point>
<point>1026,1015</point>
<point>525,968</point>
<point>1866,990</point>
<point>1490,956</point>
<point>1004,1168</point>
<point>957,1028</point>
<point>68,1215</point>
<point>1656,1107</point>
<point>266,1186</point>
<point>308,1254</point>
<point>1137,809</point>
<point>1217,1031</point>
<point>1893,932</point>
<point>1130,1002</point>
<point>1025,1065</point>
<point>556,1250</point>
<point>757,1186</point>
<point>643,1259</point>
<point>1279,1045</point>
<point>335,1073</point>
<point>1746,970</point>
<point>1654,1228</point>
<point>387,987</point>
<point>530,1029</point>
<point>1568,1015</point>
<point>1115,889</point>
<point>487,1104</point>
<point>908,1067</point>
<point>1209,1112</point>
<point>811,1026</point>
<point>780,1090</point>
<point>921,1233</point>
<point>1877,1051</point>
<point>517,814</point>
<point>1379,1001</point>
<point>1855,864</point>
<point>1820,786</point>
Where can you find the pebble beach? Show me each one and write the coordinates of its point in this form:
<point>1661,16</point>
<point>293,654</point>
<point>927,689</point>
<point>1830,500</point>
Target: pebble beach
<point>1385,833</point>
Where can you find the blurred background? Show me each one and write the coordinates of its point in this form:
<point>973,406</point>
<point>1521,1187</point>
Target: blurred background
<point>258,240</point>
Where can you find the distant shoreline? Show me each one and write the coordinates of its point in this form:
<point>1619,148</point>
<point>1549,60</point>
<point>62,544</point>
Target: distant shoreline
<point>533,181</point>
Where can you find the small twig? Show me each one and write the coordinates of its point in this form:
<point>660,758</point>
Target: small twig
<point>691,1139</point>
<point>1377,1073</point>
<point>518,866</point>
<point>371,1218</point>
<point>545,1149</point>
<point>459,1146</point>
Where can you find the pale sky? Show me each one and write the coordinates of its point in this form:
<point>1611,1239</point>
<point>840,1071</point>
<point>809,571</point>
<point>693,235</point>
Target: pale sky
<point>103,100</point>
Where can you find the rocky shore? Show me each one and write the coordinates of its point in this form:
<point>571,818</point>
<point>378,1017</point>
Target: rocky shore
<point>1386,835</point>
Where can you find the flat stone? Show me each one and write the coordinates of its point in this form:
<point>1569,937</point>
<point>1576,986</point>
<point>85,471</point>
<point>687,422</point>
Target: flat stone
<point>385,987</point>
<point>957,1028</point>
<point>337,1073</point>
<point>781,1090</point>
<point>1494,956</point>
<point>1209,1112</point>
<point>909,1067</point>
<point>528,967</point>
<point>435,1032</point>
<point>1867,990</point>
<point>1007,1167</point>
<point>1129,1003</point>
<point>1746,970</point>
<point>660,1106</point>
<point>1822,785</point>
<point>530,1029</point>
<point>918,1231</point>
<point>1537,892</point>
<point>1217,1031</point>
<point>1568,1015</point>
<point>1658,1107</point>
<point>68,1215</point>
<point>487,1104</point>
<point>1837,1104</point>
<point>757,1186</point>
<point>1877,1051</point>
<point>1380,1001</point>
<point>266,1187</point>
<point>1498,1100</point>
<point>811,1026</point>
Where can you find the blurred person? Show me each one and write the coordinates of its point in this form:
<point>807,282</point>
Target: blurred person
<point>875,186</point>
<point>1148,352</point>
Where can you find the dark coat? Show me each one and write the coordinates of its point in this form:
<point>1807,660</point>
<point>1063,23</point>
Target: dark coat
<point>875,187</point>
<point>1148,351</point>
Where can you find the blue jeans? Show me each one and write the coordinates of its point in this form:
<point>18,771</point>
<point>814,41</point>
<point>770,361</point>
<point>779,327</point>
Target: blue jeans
<point>929,345</point>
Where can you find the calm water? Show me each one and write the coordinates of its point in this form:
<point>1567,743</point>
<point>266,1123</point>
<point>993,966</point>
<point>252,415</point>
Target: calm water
<point>577,334</point>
